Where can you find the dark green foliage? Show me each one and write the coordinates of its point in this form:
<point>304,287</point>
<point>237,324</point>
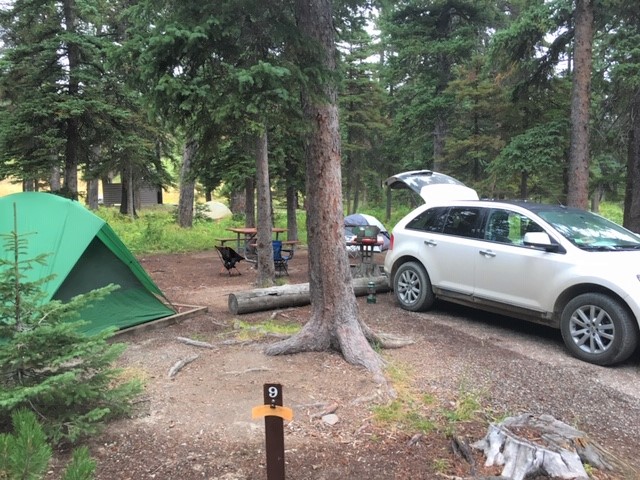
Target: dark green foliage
<point>426,41</point>
<point>218,72</point>
<point>46,365</point>
<point>363,122</point>
<point>25,453</point>
<point>81,467</point>
<point>456,85</point>
<point>63,98</point>
<point>535,156</point>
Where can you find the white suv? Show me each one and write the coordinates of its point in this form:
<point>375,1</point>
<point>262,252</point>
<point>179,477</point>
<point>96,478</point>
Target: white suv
<point>563,267</point>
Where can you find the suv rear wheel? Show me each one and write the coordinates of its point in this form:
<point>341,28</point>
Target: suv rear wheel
<point>598,329</point>
<point>412,287</point>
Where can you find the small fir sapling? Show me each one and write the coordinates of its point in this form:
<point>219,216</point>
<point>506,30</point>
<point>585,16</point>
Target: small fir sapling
<point>46,364</point>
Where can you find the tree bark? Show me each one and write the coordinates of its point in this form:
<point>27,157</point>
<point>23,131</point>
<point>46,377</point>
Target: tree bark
<point>250,202</point>
<point>292,201</point>
<point>92,193</point>
<point>72,144</point>
<point>238,202</point>
<point>187,186</point>
<point>127,207</point>
<point>334,319</point>
<point>93,185</point>
<point>632,196</point>
<point>54,179</point>
<point>266,272</point>
<point>524,184</point>
<point>578,172</point>
<point>439,140</point>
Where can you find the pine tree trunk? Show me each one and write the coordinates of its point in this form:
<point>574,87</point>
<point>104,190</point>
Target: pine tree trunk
<point>334,319</point>
<point>54,179</point>
<point>292,202</point>
<point>92,194</point>
<point>578,172</point>
<point>72,133</point>
<point>127,206</point>
<point>250,202</point>
<point>439,138</point>
<point>187,186</point>
<point>93,186</point>
<point>632,197</point>
<point>266,272</point>
<point>237,202</point>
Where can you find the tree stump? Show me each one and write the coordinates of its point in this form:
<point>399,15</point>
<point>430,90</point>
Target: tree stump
<point>529,444</point>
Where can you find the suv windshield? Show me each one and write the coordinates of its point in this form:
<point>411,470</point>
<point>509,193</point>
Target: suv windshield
<point>589,231</point>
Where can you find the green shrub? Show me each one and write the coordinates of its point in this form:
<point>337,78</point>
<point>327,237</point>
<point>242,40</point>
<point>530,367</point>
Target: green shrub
<point>46,364</point>
<point>25,453</point>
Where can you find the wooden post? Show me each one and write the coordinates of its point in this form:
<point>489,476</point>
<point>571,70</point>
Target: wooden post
<point>274,414</point>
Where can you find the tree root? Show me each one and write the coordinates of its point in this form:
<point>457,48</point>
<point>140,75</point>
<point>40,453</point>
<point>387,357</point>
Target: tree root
<point>173,371</point>
<point>388,341</point>
<point>195,343</point>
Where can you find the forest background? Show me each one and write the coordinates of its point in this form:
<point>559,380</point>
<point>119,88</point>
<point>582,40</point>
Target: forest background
<point>184,95</point>
<point>534,99</point>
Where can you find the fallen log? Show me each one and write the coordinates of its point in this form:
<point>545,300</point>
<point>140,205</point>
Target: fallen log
<point>296,295</point>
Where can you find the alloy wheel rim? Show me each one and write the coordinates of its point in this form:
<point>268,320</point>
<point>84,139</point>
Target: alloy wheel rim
<point>409,287</point>
<point>592,329</point>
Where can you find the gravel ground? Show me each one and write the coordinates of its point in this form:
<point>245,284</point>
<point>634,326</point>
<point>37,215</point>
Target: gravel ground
<point>198,424</point>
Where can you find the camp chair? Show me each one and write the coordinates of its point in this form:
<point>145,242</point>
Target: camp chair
<point>280,261</point>
<point>229,258</point>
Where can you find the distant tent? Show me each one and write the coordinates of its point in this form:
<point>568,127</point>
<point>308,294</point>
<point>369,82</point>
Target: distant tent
<point>85,254</point>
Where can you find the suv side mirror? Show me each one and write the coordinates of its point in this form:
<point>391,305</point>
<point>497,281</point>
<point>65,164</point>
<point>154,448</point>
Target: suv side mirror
<point>540,240</point>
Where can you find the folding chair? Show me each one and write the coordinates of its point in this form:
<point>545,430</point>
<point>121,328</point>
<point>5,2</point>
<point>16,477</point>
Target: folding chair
<point>280,261</point>
<point>229,258</point>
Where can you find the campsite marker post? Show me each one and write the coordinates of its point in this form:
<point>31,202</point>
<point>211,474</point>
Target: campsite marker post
<point>274,414</point>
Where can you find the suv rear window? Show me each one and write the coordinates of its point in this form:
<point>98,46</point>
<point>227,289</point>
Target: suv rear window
<point>459,221</point>
<point>462,222</point>
<point>431,220</point>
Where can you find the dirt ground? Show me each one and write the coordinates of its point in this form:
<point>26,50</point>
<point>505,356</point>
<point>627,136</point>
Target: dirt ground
<point>198,425</point>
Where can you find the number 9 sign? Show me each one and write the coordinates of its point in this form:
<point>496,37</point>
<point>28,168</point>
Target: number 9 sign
<point>273,394</point>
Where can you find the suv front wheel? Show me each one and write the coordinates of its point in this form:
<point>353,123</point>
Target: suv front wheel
<point>598,329</point>
<point>412,287</point>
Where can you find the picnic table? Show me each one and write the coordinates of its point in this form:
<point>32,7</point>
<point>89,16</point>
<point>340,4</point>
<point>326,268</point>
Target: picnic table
<point>245,236</point>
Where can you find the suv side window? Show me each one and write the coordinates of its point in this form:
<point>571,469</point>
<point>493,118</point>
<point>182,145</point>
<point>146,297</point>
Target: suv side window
<point>431,220</point>
<point>505,226</point>
<point>462,221</point>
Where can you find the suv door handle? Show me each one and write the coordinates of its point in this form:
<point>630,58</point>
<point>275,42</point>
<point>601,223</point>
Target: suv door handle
<point>430,243</point>
<point>487,253</point>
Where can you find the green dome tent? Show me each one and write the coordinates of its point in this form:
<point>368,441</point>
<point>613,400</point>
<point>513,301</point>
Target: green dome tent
<point>84,254</point>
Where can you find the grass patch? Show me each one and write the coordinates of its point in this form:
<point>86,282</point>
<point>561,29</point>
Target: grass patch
<point>465,408</point>
<point>156,231</point>
<point>441,465</point>
<point>131,374</point>
<point>410,412</point>
<point>255,331</point>
<point>413,411</point>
